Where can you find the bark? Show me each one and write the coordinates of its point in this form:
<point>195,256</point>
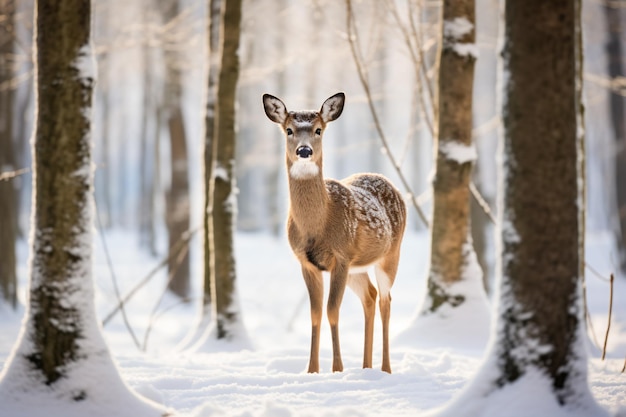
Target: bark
<point>618,121</point>
<point>177,200</point>
<point>62,180</point>
<point>223,191</point>
<point>541,227</point>
<point>8,161</point>
<point>450,233</point>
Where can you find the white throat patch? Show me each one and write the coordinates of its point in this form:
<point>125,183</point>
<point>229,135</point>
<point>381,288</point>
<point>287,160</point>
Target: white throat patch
<point>303,169</point>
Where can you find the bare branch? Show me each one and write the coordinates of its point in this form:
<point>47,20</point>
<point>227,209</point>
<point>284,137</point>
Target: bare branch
<point>352,34</point>
<point>9,175</point>
<point>482,202</point>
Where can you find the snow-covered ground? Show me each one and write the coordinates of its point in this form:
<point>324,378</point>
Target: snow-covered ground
<point>270,379</point>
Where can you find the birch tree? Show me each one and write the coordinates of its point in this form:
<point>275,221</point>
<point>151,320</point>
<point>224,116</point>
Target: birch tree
<point>539,337</point>
<point>221,205</point>
<point>60,348</point>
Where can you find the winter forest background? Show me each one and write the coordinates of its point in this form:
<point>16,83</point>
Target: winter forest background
<point>148,131</point>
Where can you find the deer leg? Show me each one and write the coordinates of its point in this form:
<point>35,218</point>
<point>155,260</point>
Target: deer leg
<point>338,280</point>
<point>363,288</point>
<point>385,275</point>
<point>315,286</point>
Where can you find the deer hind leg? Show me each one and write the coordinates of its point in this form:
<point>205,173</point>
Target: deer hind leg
<point>315,286</point>
<point>363,288</point>
<point>385,275</point>
<point>338,281</point>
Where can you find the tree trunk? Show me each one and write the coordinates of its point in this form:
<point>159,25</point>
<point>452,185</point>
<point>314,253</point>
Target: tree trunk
<point>540,269</point>
<point>8,193</point>
<point>177,200</point>
<point>62,217</point>
<point>540,329</point>
<point>209,139</point>
<point>618,122</point>
<point>223,191</point>
<point>452,251</point>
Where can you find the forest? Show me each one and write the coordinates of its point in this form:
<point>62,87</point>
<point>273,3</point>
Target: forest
<point>176,236</point>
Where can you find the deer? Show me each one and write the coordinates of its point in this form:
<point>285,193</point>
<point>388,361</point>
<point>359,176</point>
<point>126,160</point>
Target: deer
<point>342,227</point>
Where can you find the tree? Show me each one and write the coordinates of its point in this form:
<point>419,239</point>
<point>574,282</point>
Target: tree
<point>221,206</point>
<point>455,291</point>
<point>177,200</point>
<point>8,193</point>
<point>60,348</point>
<point>540,328</point>
<point>214,30</point>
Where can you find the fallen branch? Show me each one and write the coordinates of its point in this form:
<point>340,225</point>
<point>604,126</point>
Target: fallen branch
<point>175,250</point>
<point>114,279</point>
<point>153,315</point>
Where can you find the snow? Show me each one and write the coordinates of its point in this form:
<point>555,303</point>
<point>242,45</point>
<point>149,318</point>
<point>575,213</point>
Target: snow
<point>453,31</point>
<point>466,324</point>
<point>270,378</point>
<point>457,28</point>
<point>458,151</point>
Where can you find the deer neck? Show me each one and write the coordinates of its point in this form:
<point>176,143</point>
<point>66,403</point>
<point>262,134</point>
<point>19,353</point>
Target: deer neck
<point>308,199</point>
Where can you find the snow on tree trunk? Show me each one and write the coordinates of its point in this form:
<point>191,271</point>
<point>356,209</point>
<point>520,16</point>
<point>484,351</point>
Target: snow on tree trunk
<point>227,323</point>
<point>61,365</point>
<point>455,299</point>
<point>536,364</point>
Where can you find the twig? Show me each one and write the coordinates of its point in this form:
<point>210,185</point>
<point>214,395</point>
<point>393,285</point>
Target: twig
<point>624,367</point>
<point>482,202</point>
<point>5,176</point>
<point>596,273</point>
<point>608,326</point>
<point>114,279</point>
<point>587,314</point>
<point>381,134</point>
<point>175,250</point>
<point>352,34</point>
<point>418,63</point>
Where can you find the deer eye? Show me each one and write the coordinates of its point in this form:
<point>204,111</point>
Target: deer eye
<point>318,131</point>
<point>289,131</point>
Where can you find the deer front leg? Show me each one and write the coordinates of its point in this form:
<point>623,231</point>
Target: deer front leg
<point>315,286</point>
<point>338,280</point>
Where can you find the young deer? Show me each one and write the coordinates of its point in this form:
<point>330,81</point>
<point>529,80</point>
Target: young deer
<point>338,226</point>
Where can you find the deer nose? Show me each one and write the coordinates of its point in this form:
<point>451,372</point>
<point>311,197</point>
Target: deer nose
<point>304,152</point>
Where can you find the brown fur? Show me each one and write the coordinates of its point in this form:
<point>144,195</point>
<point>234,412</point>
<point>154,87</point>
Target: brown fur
<point>337,226</point>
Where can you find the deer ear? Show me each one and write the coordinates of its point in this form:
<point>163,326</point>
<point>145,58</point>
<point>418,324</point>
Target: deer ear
<point>274,109</point>
<point>332,107</point>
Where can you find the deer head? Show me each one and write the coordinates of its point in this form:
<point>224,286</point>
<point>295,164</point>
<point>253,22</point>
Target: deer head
<point>303,131</point>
